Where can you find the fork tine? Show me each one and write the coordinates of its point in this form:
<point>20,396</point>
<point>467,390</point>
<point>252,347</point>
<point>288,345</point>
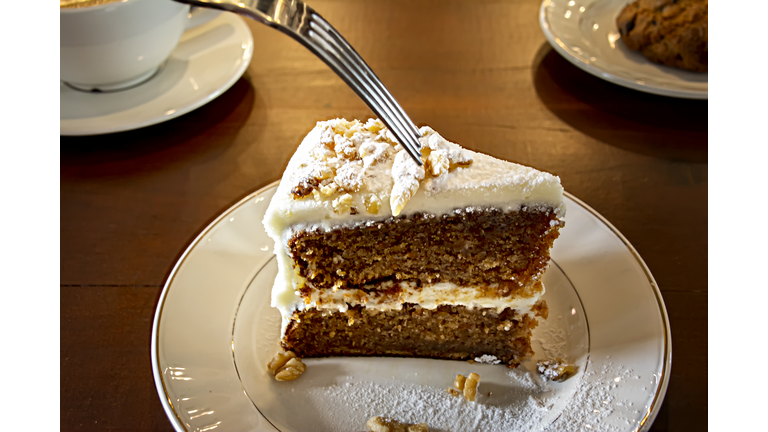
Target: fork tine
<point>388,113</point>
<point>365,70</point>
<point>326,52</point>
<point>363,89</point>
<point>396,123</point>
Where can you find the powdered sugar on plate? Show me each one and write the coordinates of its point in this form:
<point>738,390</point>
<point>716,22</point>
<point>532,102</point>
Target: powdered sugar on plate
<point>487,359</point>
<point>513,400</point>
<point>597,398</point>
<point>341,394</point>
<point>356,402</point>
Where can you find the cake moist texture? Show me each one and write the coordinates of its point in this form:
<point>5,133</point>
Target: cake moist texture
<point>378,256</point>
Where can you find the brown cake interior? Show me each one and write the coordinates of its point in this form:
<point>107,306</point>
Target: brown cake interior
<point>468,247</point>
<point>447,332</point>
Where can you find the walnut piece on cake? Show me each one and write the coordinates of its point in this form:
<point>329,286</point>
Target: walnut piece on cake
<point>385,424</point>
<point>556,370</point>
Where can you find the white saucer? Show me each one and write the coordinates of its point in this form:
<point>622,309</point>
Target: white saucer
<point>199,16</point>
<point>214,333</point>
<point>585,33</point>
<point>209,58</point>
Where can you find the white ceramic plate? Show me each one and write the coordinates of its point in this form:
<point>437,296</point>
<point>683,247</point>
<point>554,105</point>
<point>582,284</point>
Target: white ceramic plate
<point>210,58</point>
<point>585,33</point>
<point>214,333</point>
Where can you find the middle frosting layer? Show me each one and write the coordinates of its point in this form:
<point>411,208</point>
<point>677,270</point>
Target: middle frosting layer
<point>393,295</point>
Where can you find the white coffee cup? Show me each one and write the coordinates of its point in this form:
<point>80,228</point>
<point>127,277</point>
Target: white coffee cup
<point>119,44</point>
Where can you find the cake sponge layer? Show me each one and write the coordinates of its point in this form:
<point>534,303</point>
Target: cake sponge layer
<point>448,332</point>
<point>468,247</point>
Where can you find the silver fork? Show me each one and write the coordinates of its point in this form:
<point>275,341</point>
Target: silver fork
<point>302,23</point>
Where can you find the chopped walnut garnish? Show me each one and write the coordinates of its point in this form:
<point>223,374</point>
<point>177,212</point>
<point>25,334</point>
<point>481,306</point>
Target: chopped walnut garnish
<point>279,361</point>
<point>459,382</point>
<point>343,204</point>
<point>407,176</point>
<point>353,158</point>
<point>322,153</point>
<point>372,203</point>
<point>437,163</point>
<point>323,171</point>
<point>349,177</point>
<point>286,366</point>
<point>329,189</point>
<point>466,385</point>
<point>460,162</point>
<point>440,158</point>
<point>470,386</point>
<point>374,125</point>
<point>304,188</point>
<point>373,152</point>
<point>384,424</point>
<point>556,370</point>
<point>345,147</point>
<point>292,370</point>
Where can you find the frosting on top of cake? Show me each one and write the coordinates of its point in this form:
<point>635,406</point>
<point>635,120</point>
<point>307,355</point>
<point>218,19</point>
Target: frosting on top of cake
<point>348,171</point>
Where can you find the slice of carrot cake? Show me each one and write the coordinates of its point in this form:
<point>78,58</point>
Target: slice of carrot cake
<point>378,256</point>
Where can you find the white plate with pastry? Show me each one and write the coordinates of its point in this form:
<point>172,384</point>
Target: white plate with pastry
<point>214,333</point>
<point>586,34</point>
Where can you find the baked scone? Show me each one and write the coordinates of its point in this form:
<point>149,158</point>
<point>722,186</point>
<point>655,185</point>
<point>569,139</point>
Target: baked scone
<point>670,32</point>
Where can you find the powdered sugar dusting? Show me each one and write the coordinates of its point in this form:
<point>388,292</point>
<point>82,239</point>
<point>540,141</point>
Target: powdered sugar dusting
<point>342,394</point>
<point>434,406</point>
<point>512,401</point>
<point>452,177</point>
<point>407,177</point>
<point>487,359</point>
<point>596,400</point>
<point>552,336</point>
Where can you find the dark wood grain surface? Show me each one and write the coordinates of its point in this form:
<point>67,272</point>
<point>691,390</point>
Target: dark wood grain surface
<point>480,73</point>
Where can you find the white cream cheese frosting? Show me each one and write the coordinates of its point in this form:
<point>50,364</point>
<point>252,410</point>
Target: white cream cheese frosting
<point>368,171</point>
<point>429,297</point>
<point>346,173</point>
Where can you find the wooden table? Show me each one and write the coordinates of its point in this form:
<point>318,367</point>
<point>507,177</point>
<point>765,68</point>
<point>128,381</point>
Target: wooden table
<point>480,73</point>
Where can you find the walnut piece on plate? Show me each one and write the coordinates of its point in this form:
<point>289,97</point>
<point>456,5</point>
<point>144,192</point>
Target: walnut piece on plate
<point>466,386</point>
<point>285,366</point>
<point>385,424</point>
<point>556,370</point>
